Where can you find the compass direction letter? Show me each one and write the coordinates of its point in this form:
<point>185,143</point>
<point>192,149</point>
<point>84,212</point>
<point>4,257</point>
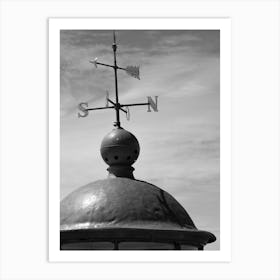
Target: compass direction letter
<point>127,113</point>
<point>106,100</point>
<point>152,104</point>
<point>83,108</point>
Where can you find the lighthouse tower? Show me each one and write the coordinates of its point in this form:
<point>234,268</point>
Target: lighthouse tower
<point>121,212</point>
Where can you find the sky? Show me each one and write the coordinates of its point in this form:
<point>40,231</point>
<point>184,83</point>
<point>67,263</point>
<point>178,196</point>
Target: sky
<point>179,144</point>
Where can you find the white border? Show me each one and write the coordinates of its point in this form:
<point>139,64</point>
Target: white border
<point>224,254</point>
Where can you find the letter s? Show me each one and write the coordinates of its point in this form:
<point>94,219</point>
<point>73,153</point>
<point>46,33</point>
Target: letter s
<point>83,107</point>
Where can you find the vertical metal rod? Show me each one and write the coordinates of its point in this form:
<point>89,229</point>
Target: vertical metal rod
<point>117,107</point>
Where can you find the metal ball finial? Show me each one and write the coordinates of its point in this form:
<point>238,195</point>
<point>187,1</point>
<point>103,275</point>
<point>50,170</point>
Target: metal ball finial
<point>120,149</point>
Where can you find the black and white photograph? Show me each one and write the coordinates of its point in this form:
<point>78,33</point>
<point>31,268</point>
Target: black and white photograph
<point>140,139</point>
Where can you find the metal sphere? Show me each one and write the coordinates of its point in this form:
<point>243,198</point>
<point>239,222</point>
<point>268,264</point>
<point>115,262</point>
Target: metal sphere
<point>119,148</point>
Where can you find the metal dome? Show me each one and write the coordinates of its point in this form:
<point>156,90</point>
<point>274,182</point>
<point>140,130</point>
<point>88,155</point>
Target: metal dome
<point>123,209</point>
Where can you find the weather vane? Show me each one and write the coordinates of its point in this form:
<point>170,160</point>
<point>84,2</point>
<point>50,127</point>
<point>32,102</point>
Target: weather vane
<point>130,70</point>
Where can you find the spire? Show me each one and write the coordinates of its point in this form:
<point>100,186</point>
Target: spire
<point>120,148</point>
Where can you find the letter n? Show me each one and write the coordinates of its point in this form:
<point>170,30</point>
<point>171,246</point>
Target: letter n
<point>152,103</point>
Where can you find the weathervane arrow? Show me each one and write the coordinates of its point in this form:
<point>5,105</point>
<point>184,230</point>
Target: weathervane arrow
<point>133,71</point>
<point>94,62</point>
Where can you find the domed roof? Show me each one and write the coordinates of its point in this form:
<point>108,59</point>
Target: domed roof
<point>123,203</point>
<point>121,208</point>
